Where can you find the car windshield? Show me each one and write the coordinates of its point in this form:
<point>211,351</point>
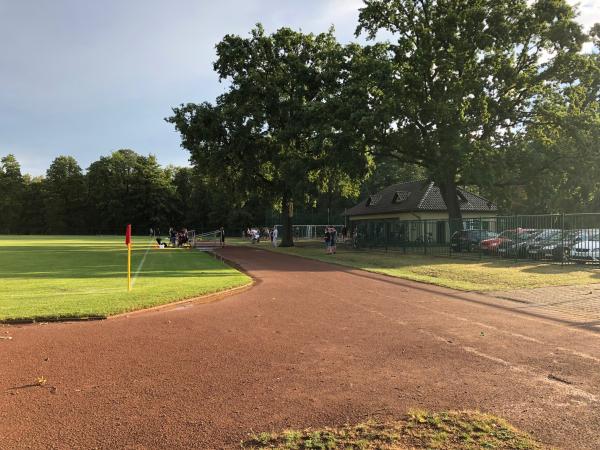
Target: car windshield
<point>488,234</point>
<point>587,235</point>
<point>566,236</point>
<point>547,234</point>
<point>483,234</point>
<point>509,235</point>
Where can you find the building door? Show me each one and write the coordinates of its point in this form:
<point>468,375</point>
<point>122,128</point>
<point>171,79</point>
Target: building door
<point>441,232</point>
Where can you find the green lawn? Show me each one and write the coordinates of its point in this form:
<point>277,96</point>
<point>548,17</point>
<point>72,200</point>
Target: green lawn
<point>64,276</point>
<point>419,429</point>
<point>456,273</point>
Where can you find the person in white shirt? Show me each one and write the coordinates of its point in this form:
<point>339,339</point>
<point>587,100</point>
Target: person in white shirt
<point>275,236</point>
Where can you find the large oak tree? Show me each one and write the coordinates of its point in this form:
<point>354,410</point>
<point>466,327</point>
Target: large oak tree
<point>281,128</point>
<point>457,80</point>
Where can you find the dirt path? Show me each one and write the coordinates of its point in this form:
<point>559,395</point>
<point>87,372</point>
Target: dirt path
<point>311,344</point>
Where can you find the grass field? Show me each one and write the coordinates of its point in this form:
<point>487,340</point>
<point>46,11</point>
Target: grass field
<point>463,274</point>
<point>59,277</point>
<point>419,429</point>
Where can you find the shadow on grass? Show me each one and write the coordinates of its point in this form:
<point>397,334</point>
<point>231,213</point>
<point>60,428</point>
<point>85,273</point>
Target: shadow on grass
<point>77,274</point>
<point>395,259</point>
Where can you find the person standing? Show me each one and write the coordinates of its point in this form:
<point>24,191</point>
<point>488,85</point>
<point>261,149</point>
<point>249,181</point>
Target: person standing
<point>274,237</point>
<point>333,239</point>
<point>327,240</point>
<point>222,237</point>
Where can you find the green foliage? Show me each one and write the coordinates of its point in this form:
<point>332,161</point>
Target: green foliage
<point>129,188</point>
<point>11,194</point>
<point>555,166</point>
<point>420,429</point>
<point>277,130</point>
<point>65,197</point>
<point>459,78</point>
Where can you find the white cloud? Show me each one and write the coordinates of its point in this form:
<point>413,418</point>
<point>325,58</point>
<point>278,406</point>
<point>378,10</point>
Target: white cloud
<point>589,12</point>
<point>85,77</point>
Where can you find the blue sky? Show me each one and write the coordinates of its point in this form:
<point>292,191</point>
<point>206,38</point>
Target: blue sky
<point>84,78</point>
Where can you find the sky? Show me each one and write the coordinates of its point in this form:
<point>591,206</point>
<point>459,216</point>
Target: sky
<point>85,78</point>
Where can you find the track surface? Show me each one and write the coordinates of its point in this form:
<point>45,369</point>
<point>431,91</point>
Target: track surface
<point>311,344</point>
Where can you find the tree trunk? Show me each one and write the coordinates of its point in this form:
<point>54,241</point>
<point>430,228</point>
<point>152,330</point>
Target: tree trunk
<point>449,193</point>
<point>287,213</point>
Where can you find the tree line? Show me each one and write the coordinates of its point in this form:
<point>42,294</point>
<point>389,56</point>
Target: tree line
<point>126,187</point>
<point>121,188</point>
<point>494,94</point>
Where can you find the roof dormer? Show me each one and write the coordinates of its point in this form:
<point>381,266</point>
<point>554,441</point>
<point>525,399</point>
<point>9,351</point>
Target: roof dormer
<point>401,196</point>
<point>373,199</point>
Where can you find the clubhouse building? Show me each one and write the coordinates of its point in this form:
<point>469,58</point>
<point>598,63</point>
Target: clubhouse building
<point>416,210</point>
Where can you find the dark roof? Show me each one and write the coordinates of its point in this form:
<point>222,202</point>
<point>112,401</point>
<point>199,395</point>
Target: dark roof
<point>417,196</point>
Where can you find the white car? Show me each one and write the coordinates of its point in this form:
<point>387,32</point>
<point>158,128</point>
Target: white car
<point>588,249</point>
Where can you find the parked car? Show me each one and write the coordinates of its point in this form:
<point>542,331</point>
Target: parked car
<point>491,245</point>
<point>587,249</point>
<point>558,247</point>
<point>520,247</point>
<point>469,240</point>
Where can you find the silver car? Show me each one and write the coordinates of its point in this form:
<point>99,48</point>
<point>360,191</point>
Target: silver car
<point>588,249</point>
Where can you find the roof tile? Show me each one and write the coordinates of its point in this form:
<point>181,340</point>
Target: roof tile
<point>415,196</point>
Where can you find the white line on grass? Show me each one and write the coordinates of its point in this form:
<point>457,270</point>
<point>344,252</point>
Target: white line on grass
<point>141,264</point>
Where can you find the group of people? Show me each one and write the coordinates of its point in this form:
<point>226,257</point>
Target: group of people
<point>330,239</point>
<point>176,238</point>
<point>255,234</point>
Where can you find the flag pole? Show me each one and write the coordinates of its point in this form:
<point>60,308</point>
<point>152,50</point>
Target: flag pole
<point>129,267</point>
<point>128,243</point>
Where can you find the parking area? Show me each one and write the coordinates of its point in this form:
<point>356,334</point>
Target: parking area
<point>552,238</point>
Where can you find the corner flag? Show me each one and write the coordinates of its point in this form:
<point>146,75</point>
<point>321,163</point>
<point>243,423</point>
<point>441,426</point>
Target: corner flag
<point>128,243</point>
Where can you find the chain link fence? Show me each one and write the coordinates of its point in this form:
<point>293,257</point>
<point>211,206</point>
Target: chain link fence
<point>558,238</point>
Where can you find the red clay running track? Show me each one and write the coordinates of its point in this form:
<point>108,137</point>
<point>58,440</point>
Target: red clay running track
<point>311,344</point>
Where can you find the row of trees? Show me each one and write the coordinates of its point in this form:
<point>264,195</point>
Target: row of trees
<point>494,94</point>
<point>124,187</point>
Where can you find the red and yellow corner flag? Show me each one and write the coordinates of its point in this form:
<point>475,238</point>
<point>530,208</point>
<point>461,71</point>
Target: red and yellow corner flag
<point>128,243</point>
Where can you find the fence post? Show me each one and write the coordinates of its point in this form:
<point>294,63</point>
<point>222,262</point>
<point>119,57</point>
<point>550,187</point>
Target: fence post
<point>517,237</point>
<point>480,236</point>
<point>424,234</point>
<point>562,247</point>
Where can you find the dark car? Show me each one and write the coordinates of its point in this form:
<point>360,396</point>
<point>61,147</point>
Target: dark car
<point>520,246</point>
<point>558,247</point>
<point>469,240</point>
<point>519,234</point>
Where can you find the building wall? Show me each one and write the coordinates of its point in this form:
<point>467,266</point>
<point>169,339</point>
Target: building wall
<point>431,226</point>
<point>422,216</point>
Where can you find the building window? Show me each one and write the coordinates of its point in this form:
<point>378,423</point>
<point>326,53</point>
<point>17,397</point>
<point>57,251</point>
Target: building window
<point>401,196</point>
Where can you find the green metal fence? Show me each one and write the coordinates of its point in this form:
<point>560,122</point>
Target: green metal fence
<point>558,238</point>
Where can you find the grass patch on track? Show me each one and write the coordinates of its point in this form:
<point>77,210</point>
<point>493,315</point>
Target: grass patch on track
<point>456,273</point>
<point>78,277</point>
<point>419,429</point>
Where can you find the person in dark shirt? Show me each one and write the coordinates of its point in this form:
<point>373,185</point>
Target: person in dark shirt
<point>333,239</point>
